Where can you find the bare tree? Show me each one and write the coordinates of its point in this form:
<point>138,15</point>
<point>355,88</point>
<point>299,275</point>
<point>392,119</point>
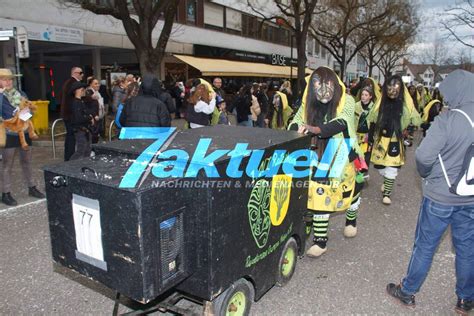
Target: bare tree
<point>396,31</point>
<point>434,53</point>
<point>297,16</point>
<point>336,30</point>
<point>139,18</point>
<point>391,55</point>
<point>458,17</point>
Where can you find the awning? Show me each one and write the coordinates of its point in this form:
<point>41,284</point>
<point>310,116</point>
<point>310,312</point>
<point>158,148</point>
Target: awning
<point>230,68</point>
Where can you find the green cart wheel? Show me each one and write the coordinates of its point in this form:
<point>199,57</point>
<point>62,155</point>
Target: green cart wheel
<point>287,263</point>
<point>235,301</point>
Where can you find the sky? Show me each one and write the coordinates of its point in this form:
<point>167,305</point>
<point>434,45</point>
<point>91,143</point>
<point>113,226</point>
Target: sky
<point>431,12</point>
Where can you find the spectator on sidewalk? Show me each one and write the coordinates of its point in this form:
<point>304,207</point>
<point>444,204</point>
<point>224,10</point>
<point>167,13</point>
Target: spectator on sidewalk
<point>264,102</point>
<point>66,111</point>
<point>178,93</point>
<point>132,91</point>
<point>130,78</point>
<point>446,143</point>
<point>93,87</point>
<point>118,94</point>
<point>223,115</point>
<point>166,98</point>
<point>146,110</point>
<point>9,101</point>
<point>82,121</point>
<point>92,107</point>
<point>201,105</point>
<point>217,86</point>
<point>242,106</point>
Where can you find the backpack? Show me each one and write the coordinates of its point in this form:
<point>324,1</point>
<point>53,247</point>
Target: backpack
<point>464,184</point>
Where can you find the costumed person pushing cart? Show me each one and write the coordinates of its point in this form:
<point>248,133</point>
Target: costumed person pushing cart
<point>328,113</point>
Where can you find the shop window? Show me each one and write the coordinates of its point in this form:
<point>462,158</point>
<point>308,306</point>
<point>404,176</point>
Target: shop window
<point>191,11</point>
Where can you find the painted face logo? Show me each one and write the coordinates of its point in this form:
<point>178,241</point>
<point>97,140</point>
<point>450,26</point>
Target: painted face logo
<point>258,212</point>
<point>280,198</point>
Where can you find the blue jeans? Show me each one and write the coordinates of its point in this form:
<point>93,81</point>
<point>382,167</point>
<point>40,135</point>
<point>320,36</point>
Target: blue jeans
<point>433,221</point>
<point>248,123</point>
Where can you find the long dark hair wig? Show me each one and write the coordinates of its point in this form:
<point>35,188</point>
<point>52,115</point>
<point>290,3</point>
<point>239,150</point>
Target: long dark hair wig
<point>316,111</point>
<point>391,110</point>
<point>278,112</point>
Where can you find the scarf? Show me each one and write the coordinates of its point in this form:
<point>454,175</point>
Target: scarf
<point>13,96</point>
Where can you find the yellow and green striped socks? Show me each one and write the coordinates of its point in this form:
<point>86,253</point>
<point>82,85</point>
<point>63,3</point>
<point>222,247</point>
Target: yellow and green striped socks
<point>387,186</point>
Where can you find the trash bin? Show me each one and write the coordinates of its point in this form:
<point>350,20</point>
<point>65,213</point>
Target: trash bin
<point>40,117</point>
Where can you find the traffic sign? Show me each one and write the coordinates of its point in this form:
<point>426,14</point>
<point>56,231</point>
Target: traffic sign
<point>22,42</point>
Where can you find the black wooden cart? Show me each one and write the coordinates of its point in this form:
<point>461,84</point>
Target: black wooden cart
<point>222,241</point>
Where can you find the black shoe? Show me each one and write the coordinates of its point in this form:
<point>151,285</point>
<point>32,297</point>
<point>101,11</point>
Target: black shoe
<point>8,199</point>
<point>463,307</point>
<point>396,292</point>
<point>33,191</point>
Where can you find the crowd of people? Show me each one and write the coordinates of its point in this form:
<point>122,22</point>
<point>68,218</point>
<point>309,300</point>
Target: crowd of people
<point>382,119</point>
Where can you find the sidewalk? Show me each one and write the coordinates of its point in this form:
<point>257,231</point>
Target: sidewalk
<point>41,157</point>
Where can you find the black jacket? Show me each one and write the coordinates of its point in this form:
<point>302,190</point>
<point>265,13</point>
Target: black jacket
<point>167,99</point>
<point>67,99</point>
<point>81,116</point>
<point>242,105</point>
<point>263,101</point>
<point>146,110</point>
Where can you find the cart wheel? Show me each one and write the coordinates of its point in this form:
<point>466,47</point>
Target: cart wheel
<point>236,300</point>
<point>287,263</point>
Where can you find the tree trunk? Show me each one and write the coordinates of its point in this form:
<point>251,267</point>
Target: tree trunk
<point>371,65</point>
<point>301,53</point>
<point>343,64</point>
<point>150,63</point>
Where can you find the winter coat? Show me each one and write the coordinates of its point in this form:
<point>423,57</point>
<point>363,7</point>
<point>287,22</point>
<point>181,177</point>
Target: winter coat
<point>145,110</point>
<point>449,135</point>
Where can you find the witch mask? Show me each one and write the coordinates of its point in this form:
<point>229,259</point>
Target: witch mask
<point>393,89</point>
<point>324,89</point>
<point>276,101</point>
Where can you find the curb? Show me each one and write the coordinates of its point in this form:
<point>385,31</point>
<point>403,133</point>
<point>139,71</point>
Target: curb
<point>47,143</point>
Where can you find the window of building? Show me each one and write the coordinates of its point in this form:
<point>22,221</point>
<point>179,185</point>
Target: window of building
<point>250,26</point>
<point>317,49</point>
<point>191,11</point>
<point>310,46</point>
<point>233,21</point>
<point>213,15</point>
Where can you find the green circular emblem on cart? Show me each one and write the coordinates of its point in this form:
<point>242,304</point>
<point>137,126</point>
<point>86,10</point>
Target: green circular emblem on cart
<point>259,212</point>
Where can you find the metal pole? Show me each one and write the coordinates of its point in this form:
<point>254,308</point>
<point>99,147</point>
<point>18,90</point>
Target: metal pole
<point>17,60</point>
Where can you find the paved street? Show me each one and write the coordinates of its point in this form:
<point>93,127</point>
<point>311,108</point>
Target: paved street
<point>349,279</point>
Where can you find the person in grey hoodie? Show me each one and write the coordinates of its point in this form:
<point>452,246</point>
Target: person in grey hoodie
<point>450,135</point>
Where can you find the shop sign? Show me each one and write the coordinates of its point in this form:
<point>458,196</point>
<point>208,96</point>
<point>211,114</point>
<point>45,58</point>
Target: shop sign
<point>46,32</point>
<point>231,54</point>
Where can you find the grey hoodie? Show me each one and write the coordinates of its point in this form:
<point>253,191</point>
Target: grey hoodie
<point>449,135</point>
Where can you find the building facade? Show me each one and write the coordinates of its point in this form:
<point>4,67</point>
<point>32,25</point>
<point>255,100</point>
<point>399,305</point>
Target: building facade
<point>62,36</point>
